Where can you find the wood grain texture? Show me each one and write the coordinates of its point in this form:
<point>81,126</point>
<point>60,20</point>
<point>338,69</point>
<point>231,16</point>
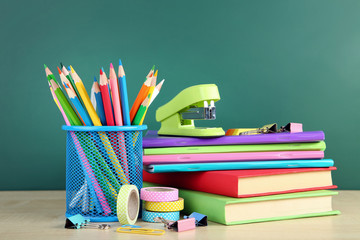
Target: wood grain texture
<point>40,215</point>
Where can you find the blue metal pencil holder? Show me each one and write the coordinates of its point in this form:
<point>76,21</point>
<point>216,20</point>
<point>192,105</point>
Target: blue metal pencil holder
<point>99,160</point>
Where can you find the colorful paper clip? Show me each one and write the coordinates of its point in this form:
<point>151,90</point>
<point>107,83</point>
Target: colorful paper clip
<point>78,221</point>
<point>200,219</point>
<point>145,231</point>
<point>179,226</point>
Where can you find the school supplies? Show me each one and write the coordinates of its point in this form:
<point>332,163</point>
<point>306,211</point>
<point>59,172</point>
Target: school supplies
<point>200,219</point>
<point>144,231</point>
<point>78,221</point>
<point>233,157</point>
<point>196,102</point>
<point>105,94</point>
<point>141,95</point>
<point>231,211</point>
<point>123,95</point>
<point>179,226</point>
<point>156,91</point>
<point>153,140</point>
<point>97,156</point>
<point>198,167</point>
<point>128,204</point>
<point>159,194</point>
<point>248,183</point>
<point>100,105</point>
<point>309,146</point>
<point>269,128</point>
<point>115,96</point>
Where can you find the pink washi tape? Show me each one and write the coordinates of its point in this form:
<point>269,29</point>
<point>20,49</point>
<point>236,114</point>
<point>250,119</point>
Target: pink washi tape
<point>159,194</point>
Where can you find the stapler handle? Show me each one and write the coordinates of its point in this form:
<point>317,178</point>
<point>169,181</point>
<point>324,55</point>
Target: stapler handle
<point>195,95</point>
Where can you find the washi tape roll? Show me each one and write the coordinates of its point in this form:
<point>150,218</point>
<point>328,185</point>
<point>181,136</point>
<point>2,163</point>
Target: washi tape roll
<point>149,216</point>
<point>165,206</point>
<point>128,204</point>
<point>159,194</point>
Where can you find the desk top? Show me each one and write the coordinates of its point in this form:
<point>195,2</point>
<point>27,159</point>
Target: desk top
<point>40,215</point>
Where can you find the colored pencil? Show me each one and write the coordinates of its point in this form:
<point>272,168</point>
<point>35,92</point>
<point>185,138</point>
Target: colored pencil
<point>141,96</point>
<point>99,102</point>
<point>93,99</point>
<point>106,99</point>
<point>124,95</point>
<point>151,90</point>
<point>64,80</point>
<point>140,113</point>
<point>68,76</point>
<point>79,108</point>
<point>50,75</point>
<point>85,97</point>
<point>115,96</point>
<point>156,91</point>
<point>73,118</point>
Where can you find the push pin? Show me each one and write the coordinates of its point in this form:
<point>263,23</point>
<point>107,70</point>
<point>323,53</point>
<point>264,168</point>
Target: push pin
<point>78,221</point>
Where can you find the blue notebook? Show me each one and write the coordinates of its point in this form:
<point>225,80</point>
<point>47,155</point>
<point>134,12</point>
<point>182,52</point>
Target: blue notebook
<point>198,167</point>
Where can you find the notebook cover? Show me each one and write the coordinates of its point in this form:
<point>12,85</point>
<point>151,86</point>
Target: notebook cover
<point>198,167</point>
<point>152,140</point>
<point>225,182</point>
<point>213,205</point>
<point>227,157</point>
<point>311,146</point>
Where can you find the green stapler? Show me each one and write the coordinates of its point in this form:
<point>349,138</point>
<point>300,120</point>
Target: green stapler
<point>193,103</point>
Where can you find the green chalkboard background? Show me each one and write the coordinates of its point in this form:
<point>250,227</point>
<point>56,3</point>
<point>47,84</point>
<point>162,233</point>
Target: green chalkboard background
<point>273,61</point>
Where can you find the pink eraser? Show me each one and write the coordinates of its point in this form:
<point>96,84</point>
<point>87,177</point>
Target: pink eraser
<point>296,127</point>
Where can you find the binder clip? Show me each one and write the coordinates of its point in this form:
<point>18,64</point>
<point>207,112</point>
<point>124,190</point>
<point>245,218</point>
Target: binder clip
<point>292,128</point>
<point>269,128</point>
<point>193,103</point>
<point>179,226</point>
<point>200,219</point>
<point>78,221</point>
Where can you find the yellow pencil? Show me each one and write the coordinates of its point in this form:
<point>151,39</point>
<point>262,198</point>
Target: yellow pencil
<point>85,97</point>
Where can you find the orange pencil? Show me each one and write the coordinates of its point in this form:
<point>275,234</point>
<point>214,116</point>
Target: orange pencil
<point>141,95</point>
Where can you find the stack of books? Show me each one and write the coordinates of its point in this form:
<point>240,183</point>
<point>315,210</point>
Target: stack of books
<point>244,179</point>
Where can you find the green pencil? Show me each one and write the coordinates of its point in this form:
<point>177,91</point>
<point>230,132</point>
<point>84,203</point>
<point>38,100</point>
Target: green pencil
<point>141,111</point>
<point>68,76</point>
<point>50,75</point>
<point>69,111</point>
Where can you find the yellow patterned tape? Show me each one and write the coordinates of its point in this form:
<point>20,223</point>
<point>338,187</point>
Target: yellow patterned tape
<point>128,204</point>
<point>165,206</point>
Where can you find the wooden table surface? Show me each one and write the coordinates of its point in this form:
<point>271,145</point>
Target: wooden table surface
<point>40,215</point>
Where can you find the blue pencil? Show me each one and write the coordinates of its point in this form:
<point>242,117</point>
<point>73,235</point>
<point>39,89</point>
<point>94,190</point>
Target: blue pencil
<point>124,95</point>
<point>80,109</point>
<point>99,102</point>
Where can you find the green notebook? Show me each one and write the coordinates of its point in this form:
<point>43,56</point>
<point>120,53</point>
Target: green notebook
<point>231,211</point>
<point>311,146</point>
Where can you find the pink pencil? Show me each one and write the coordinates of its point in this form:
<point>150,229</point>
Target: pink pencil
<point>115,96</point>
<point>105,95</point>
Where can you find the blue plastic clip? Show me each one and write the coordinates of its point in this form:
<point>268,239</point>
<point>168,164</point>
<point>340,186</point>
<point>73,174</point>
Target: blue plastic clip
<point>200,219</point>
<point>76,221</point>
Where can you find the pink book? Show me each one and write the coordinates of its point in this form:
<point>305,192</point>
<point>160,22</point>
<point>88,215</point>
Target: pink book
<point>231,157</point>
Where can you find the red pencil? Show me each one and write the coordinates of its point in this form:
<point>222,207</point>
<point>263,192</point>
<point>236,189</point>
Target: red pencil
<point>105,95</point>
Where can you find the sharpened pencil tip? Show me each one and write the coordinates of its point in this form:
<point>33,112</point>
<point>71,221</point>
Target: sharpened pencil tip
<point>120,63</point>
<point>111,65</point>
<point>153,68</point>
<point>45,66</point>
<point>69,69</point>
<point>59,70</point>
<point>155,75</point>
<point>72,69</point>
<point>95,79</point>
<point>61,65</point>
<point>101,71</point>
<point>102,68</point>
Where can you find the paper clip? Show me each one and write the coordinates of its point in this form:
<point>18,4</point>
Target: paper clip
<point>200,219</point>
<point>179,226</point>
<point>144,231</point>
<point>77,221</point>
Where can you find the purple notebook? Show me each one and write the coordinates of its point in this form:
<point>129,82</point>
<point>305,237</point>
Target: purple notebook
<point>152,140</point>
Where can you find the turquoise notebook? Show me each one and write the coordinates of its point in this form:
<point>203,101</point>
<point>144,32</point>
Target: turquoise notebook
<point>198,167</point>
